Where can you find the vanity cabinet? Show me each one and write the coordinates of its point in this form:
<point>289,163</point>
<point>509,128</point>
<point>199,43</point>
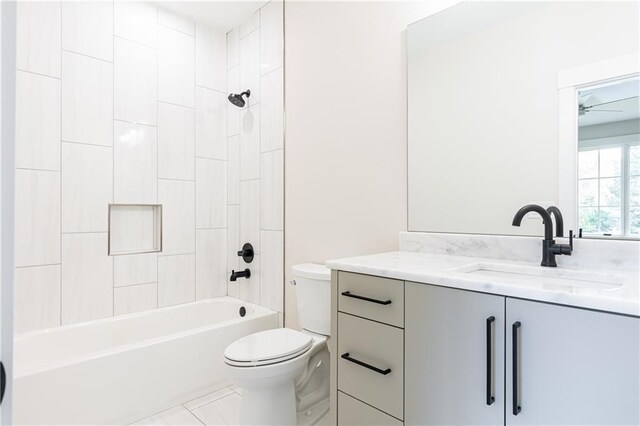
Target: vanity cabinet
<point>454,362</point>
<point>572,366</point>
<point>420,354</point>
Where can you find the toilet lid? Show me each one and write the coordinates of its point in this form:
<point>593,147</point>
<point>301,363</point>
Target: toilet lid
<point>267,347</point>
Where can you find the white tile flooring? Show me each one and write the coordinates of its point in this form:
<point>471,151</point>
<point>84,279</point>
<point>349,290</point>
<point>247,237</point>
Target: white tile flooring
<point>221,407</point>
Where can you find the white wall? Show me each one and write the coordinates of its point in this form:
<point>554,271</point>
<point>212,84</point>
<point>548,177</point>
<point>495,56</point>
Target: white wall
<point>117,103</point>
<point>345,102</point>
<point>256,155</point>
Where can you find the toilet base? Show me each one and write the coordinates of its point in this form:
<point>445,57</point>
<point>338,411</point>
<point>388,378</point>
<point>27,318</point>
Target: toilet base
<point>269,406</point>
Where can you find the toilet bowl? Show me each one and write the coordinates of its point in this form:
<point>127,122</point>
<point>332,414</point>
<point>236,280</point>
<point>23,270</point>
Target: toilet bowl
<point>284,373</point>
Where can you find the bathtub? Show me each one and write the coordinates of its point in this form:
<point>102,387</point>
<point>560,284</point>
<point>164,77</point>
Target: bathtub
<point>119,370</point>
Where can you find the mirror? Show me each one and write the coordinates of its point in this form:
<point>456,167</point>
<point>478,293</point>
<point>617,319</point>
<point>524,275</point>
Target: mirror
<point>502,112</point>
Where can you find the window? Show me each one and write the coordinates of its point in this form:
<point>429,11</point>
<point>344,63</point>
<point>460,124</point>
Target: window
<point>609,189</point>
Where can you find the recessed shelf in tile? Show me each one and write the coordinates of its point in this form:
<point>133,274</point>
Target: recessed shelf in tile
<point>135,228</point>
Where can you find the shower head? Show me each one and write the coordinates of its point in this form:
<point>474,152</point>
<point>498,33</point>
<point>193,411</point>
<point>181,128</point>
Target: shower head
<point>237,100</point>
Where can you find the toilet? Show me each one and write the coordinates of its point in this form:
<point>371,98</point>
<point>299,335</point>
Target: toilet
<point>284,373</point>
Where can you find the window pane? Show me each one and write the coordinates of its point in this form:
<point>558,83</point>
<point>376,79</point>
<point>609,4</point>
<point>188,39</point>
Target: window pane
<point>610,162</point>
<point>588,219</point>
<point>634,191</point>
<point>588,164</point>
<point>634,221</point>
<point>610,221</point>
<point>588,192</point>
<point>634,160</point>
<point>610,192</point>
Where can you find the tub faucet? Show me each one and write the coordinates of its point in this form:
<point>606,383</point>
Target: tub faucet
<point>549,247</point>
<point>240,274</point>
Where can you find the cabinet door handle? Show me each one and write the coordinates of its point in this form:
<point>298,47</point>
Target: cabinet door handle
<point>368,299</point>
<point>490,398</point>
<point>514,366</point>
<point>365,365</point>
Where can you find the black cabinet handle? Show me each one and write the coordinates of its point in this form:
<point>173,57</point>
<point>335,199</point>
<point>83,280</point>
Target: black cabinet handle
<point>514,366</point>
<point>365,365</point>
<point>490,398</point>
<point>368,299</point>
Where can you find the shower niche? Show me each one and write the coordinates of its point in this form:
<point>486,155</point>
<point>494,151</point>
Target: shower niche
<point>134,229</point>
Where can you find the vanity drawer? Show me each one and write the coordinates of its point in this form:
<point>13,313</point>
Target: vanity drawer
<point>380,299</point>
<point>352,412</point>
<point>370,363</point>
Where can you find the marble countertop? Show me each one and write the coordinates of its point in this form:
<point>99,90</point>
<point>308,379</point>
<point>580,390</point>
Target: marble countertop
<point>448,271</point>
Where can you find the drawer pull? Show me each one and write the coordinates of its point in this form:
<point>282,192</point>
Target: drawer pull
<point>364,364</point>
<point>514,365</point>
<point>368,299</point>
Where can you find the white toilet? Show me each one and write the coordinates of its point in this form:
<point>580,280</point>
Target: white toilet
<point>284,373</point>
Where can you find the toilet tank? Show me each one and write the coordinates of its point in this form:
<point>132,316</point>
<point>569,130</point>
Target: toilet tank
<point>313,294</point>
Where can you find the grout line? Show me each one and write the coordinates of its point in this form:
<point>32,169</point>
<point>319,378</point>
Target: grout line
<point>133,284</point>
<point>84,232</point>
<point>176,179</point>
<point>160,24</point>
<point>155,126</point>
<point>113,158</point>
<point>61,180</point>
<point>131,40</point>
<point>174,104</point>
<point>87,56</point>
<point>37,266</point>
<point>89,144</point>
<point>39,74</point>
<point>281,67</point>
<point>158,151</point>
<point>38,170</point>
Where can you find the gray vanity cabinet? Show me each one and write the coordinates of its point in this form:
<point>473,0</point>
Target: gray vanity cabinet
<point>448,335</point>
<point>573,366</point>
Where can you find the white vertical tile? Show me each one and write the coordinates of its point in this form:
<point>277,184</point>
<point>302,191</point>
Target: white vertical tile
<point>178,216</point>
<point>37,121</point>
<point>272,112</point>
<point>87,28</point>
<point>37,221</point>
<point>137,21</point>
<point>250,143</point>
<point>211,263</point>
<point>176,67</point>
<point>250,68</point>
<point>233,238</point>
<point>272,270</point>
<point>176,279</point>
<point>233,170</point>
<point>36,298</point>
<point>135,269</point>
<point>87,187</point>
<point>177,22</point>
<point>271,36</point>
<point>87,100</point>
<point>249,289</point>
<point>135,298</point>
<point>135,75</point>
<point>250,24</point>
<point>176,142</point>
<point>250,213</point>
<point>272,190</point>
<point>135,163</point>
<point>233,48</point>
<point>211,63</point>
<point>38,33</point>
<point>211,193</point>
<point>87,278</point>
<point>233,112</point>
<point>211,124</point>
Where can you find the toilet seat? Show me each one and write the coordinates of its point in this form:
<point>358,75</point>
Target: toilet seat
<point>267,347</point>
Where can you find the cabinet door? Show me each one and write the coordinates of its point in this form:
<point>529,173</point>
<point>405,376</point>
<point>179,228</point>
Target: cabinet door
<point>446,369</point>
<point>573,366</point>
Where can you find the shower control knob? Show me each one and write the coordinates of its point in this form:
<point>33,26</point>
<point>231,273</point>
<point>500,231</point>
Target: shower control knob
<point>246,253</point>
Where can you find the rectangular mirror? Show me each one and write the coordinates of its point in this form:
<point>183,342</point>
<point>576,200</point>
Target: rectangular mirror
<point>511,103</point>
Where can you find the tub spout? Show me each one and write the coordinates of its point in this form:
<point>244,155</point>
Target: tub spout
<point>240,274</point>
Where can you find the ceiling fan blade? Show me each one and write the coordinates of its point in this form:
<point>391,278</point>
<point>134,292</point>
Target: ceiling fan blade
<point>611,102</point>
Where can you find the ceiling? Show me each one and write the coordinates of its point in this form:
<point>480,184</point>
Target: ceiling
<point>221,15</point>
<point>618,94</point>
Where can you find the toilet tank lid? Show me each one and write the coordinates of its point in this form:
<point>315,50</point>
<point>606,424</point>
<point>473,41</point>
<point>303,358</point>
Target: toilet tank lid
<point>313,271</point>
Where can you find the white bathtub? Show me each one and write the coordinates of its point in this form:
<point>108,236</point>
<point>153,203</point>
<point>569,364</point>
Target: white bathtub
<point>119,370</point>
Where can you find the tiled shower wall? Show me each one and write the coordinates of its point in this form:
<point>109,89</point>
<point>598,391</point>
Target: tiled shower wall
<point>121,103</point>
<point>255,53</point>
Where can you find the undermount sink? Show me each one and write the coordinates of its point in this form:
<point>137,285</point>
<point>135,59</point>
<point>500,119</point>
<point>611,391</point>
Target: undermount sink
<point>548,278</point>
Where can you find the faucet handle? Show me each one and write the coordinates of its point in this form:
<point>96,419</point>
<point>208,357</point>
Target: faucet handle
<point>571,239</point>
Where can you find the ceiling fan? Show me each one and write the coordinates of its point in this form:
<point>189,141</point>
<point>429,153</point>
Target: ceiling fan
<point>583,109</point>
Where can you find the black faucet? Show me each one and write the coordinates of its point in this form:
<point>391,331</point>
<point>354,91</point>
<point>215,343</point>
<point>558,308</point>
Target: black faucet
<point>240,274</point>
<point>549,247</point>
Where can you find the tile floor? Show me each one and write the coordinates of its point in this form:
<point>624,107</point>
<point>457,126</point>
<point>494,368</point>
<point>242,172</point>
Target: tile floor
<point>221,407</point>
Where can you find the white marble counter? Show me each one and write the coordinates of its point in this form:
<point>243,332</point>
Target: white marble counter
<point>445,270</point>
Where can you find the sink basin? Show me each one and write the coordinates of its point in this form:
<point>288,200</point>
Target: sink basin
<point>547,278</point>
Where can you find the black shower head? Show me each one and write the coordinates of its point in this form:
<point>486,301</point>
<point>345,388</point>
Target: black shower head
<point>237,100</point>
